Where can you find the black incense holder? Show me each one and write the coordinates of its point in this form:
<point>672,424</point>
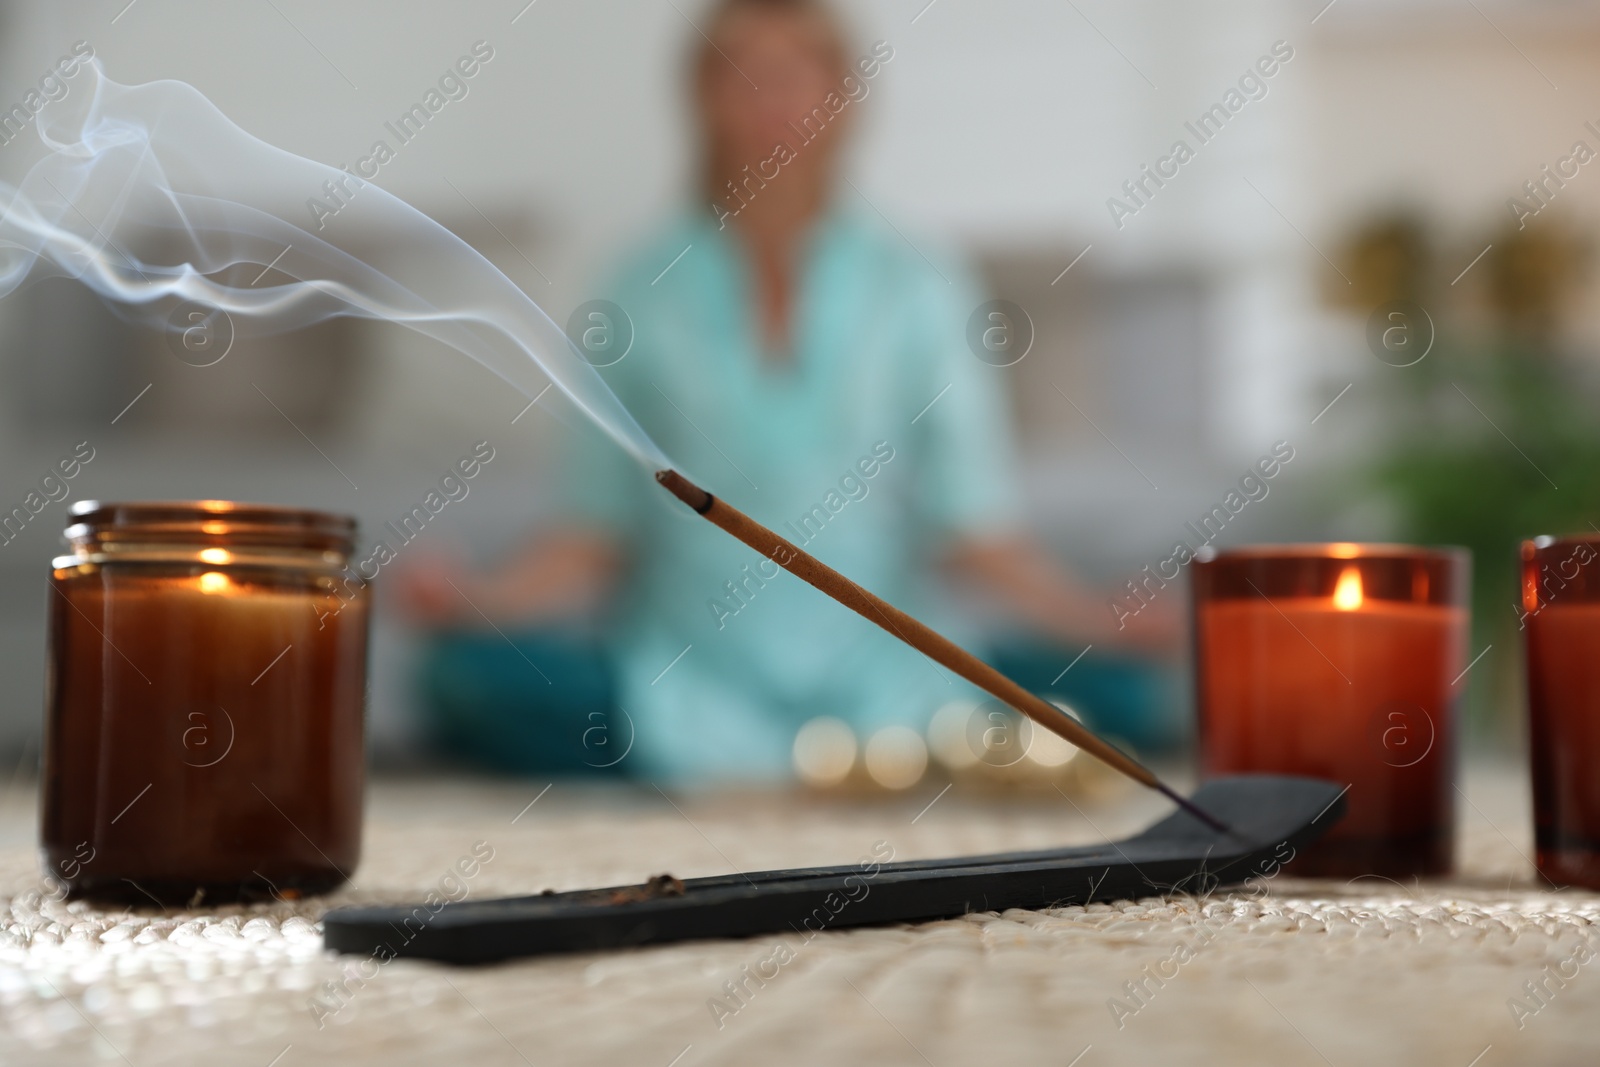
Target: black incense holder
<point>1272,818</point>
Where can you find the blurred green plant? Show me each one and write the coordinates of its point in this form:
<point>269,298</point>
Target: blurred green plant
<point>1493,438</point>
<point>1492,447</point>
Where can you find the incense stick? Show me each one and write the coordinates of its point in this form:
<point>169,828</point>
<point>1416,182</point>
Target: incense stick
<point>940,649</point>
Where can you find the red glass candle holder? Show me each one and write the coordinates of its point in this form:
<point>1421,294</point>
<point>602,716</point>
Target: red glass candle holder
<point>1342,662</point>
<point>1561,634</point>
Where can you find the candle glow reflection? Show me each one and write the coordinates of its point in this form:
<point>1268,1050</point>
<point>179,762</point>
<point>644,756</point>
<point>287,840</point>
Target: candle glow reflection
<point>214,582</point>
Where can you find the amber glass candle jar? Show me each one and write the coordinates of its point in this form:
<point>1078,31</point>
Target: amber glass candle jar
<point>1561,631</point>
<point>204,702</point>
<point>1343,662</point>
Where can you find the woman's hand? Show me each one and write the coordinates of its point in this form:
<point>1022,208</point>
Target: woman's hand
<point>560,575</point>
<point>433,590</point>
<point>1034,588</point>
<point>1159,628</point>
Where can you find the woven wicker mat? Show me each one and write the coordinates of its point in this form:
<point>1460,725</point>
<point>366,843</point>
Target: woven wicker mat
<point>1318,973</point>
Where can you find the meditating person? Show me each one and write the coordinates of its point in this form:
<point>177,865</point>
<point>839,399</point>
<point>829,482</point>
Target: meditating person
<point>797,355</point>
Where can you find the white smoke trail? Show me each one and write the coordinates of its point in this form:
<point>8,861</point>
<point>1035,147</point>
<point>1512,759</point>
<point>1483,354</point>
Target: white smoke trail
<point>148,193</point>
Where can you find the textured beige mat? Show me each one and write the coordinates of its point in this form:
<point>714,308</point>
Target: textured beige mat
<point>1482,970</point>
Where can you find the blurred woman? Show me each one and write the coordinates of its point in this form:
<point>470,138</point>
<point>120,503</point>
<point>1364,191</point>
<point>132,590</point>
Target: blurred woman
<point>804,360</point>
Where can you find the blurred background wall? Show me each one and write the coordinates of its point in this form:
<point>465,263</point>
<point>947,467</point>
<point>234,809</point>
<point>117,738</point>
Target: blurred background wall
<point>1224,315</point>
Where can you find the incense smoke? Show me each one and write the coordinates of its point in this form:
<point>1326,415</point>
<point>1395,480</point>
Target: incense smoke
<point>148,194</point>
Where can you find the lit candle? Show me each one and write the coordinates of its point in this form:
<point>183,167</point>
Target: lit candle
<point>1339,662</point>
<point>204,705</point>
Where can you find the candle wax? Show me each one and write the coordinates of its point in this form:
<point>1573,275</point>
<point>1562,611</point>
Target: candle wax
<point>210,730</point>
<point>1361,697</point>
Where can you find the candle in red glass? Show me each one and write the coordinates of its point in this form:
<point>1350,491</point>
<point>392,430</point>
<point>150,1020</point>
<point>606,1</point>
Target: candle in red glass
<point>1561,630</point>
<point>203,727</point>
<point>1341,662</point>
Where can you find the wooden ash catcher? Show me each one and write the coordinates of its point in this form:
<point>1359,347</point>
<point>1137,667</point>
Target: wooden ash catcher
<point>1242,827</point>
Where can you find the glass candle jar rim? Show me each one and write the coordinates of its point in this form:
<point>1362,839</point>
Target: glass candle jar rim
<point>120,527</point>
<point>242,516</point>
<point>1553,571</point>
<point>1334,550</point>
<point>1543,542</point>
<point>1357,574</point>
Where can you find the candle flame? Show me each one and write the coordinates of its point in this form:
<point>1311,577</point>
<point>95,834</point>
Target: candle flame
<point>216,555</point>
<point>1347,594</point>
<point>214,582</point>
